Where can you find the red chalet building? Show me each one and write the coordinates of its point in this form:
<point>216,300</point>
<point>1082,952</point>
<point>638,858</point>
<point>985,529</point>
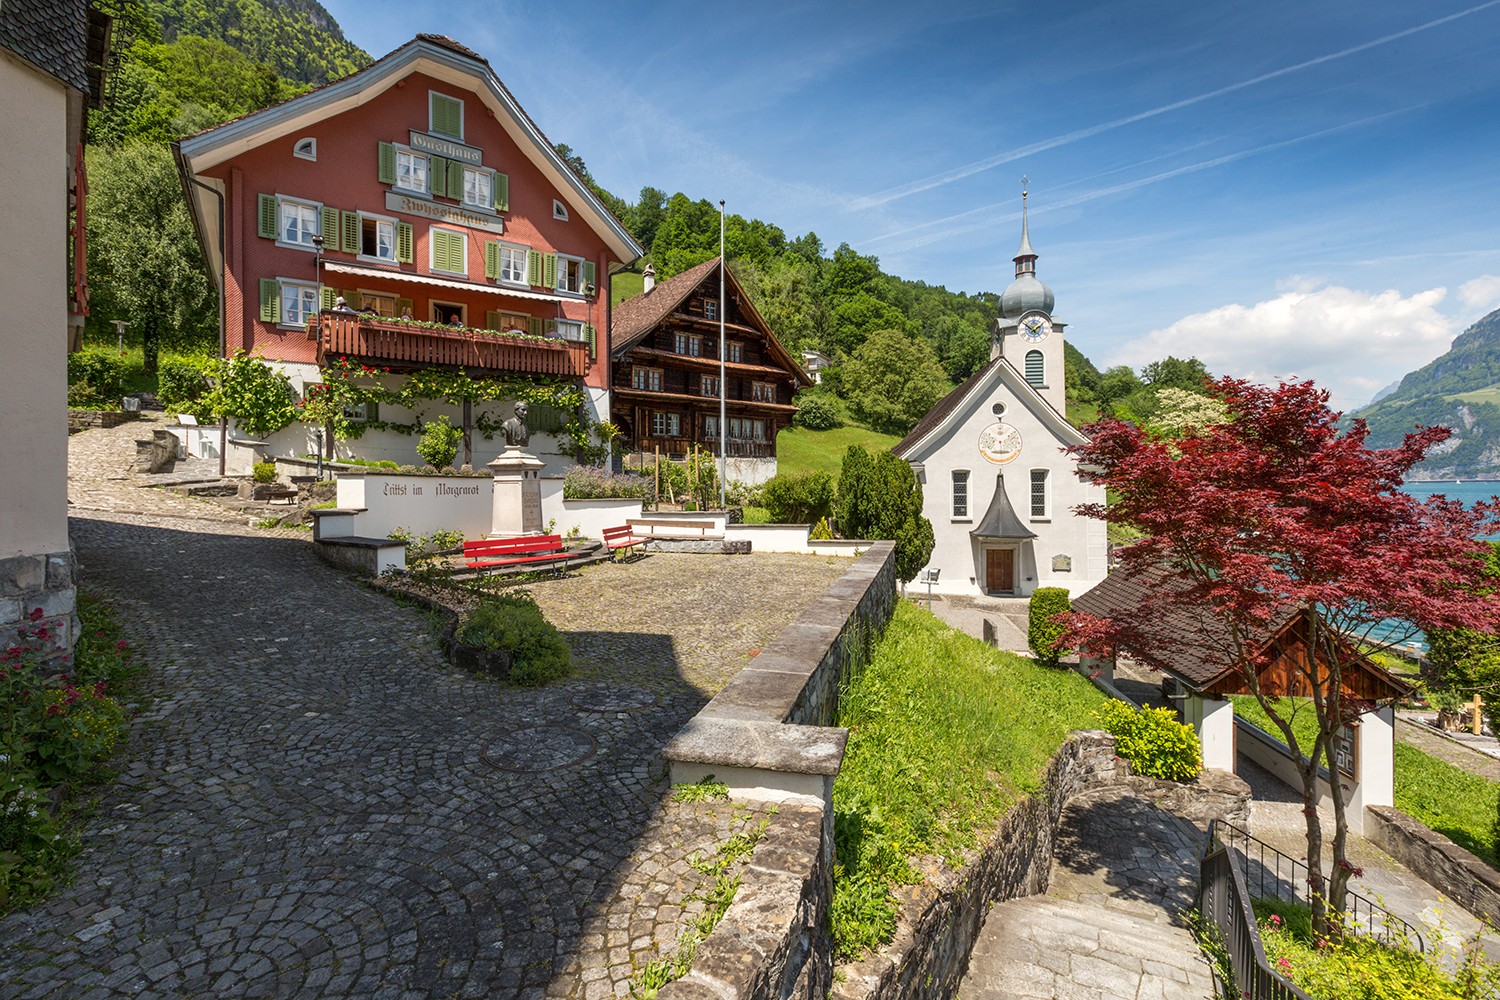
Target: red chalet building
<point>666,373</point>
<point>416,187</point>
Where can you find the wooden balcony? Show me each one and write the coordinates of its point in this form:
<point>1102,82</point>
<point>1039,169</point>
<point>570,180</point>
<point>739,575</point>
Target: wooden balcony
<point>406,346</point>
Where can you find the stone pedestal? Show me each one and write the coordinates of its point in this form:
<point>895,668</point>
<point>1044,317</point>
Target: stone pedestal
<point>518,494</point>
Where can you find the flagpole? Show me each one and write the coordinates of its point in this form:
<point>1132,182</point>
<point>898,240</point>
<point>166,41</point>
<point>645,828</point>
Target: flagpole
<point>723,386</point>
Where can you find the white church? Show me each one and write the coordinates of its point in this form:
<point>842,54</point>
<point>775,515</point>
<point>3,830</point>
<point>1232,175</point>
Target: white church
<point>997,485</point>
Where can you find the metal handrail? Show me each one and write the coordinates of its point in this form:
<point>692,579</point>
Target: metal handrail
<point>1224,902</point>
<point>1361,915</point>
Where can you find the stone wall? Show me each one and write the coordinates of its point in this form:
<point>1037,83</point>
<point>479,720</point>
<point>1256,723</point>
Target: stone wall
<point>45,581</point>
<point>941,918</point>
<point>1440,862</point>
<point>81,419</point>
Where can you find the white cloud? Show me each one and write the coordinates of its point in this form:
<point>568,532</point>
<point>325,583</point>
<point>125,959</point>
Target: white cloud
<point>1350,342</point>
<point>1482,294</point>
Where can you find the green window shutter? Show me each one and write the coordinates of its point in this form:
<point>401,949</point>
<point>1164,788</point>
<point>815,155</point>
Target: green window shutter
<point>534,266</point>
<point>437,176</point>
<point>350,222</point>
<point>549,328</point>
<point>404,242</point>
<point>447,116</point>
<point>491,260</point>
<point>372,410</point>
<point>592,337</point>
<point>270,299</point>
<point>549,270</point>
<point>328,297</point>
<point>403,304</point>
<point>456,180</point>
<point>387,163</point>
<point>328,227</point>
<point>492,319</point>
<point>535,326</point>
<point>354,300</point>
<point>448,251</point>
<point>265,216</point>
<point>588,274</point>
<point>502,193</point>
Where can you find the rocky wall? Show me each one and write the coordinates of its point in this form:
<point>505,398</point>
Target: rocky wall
<point>1440,862</point>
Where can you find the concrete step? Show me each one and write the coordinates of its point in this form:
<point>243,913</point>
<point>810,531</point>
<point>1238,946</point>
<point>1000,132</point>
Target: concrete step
<point>1043,948</point>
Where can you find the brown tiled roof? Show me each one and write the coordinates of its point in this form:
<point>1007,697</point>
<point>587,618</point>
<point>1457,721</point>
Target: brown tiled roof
<point>942,408</point>
<point>634,318</point>
<point>52,35</point>
<point>449,43</point>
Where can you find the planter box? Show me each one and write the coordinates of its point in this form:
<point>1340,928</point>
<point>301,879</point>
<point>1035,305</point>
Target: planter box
<point>418,504</point>
<point>591,517</point>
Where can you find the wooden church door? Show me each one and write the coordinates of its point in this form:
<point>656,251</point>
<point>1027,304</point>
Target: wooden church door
<point>1000,571</point>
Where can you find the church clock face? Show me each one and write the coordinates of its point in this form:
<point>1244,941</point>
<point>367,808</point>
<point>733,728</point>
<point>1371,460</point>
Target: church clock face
<point>1034,327</point>
<point>1000,443</point>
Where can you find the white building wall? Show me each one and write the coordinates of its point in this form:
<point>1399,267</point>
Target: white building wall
<point>1080,542</point>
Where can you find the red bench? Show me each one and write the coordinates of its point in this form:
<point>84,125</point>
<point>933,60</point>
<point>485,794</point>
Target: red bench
<point>493,553</point>
<point>622,537</point>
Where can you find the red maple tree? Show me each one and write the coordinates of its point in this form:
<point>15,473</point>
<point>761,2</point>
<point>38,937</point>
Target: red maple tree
<point>1282,508</point>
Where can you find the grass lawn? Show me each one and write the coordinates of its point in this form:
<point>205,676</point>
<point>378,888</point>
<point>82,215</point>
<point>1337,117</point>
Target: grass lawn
<point>937,751</point>
<point>801,450</point>
<point>1459,805</point>
<point>625,285</point>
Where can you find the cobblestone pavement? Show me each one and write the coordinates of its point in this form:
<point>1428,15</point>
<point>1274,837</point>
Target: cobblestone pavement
<point>1108,927</point>
<point>314,803</point>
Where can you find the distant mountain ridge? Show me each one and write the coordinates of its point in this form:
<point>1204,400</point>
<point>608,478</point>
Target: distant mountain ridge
<point>297,38</point>
<point>1460,390</point>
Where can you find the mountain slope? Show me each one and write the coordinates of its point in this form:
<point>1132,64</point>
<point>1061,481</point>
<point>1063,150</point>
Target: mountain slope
<point>1460,390</point>
<point>297,38</point>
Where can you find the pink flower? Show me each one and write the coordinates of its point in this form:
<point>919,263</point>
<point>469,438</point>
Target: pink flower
<point>1276,922</point>
<point>36,615</point>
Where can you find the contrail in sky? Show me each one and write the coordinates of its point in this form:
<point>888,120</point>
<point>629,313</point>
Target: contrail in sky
<point>1087,196</point>
<point>979,166</point>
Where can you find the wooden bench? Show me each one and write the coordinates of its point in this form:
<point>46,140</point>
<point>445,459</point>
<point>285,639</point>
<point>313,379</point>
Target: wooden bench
<point>675,529</point>
<point>495,553</point>
<point>622,537</point>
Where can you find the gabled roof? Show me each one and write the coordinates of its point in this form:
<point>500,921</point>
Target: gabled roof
<point>951,407</point>
<point>52,35</point>
<point>634,318</point>
<point>1186,639</point>
<point>437,56</point>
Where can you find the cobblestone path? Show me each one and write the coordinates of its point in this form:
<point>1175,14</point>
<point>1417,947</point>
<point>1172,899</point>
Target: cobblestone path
<point>314,803</point>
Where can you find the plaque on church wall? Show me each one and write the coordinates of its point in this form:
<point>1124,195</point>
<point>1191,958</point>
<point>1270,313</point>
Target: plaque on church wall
<point>999,443</point>
<point>1062,564</point>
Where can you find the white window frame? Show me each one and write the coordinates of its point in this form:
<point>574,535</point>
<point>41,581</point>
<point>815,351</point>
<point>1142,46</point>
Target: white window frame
<point>707,383</point>
<point>961,499</point>
<point>1046,494</point>
<point>569,329</point>
<point>710,308</point>
<point>489,203</point>
<point>407,151</point>
<point>735,352</point>
<point>301,287</point>
<point>395,233</point>
<point>711,426</point>
<point>283,201</point>
<point>646,379</point>
<point>306,148</point>
<point>559,211</point>
<point>763,392</point>
<point>517,255</point>
<point>688,344</point>
<point>671,424</point>
<point>462,115</point>
<point>463,310</point>
<point>463,239</point>
<point>566,266</point>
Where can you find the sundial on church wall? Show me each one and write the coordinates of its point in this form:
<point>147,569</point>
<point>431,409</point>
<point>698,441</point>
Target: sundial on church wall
<point>999,443</point>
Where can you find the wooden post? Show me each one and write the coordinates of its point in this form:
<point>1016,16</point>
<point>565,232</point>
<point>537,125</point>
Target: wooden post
<point>658,473</point>
<point>1476,724</point>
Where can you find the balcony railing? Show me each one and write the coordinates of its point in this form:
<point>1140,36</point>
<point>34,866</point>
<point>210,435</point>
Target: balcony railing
<point>406,345</point>
<point>680,447</point>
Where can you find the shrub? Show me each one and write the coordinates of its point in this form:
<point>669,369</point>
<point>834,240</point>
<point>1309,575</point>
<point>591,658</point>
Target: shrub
<point>817,411</point>
<point>798,498</point>
<point>263,472</point>
<point>1153,741</point>
<point>256,395</point>
<point>182,383</point>
<point>512,622</point>
<point>98,371</point>
<point>879,497</point>
<point>586,482</point>
<point>822,531</point>
<point>1042,631</point>
<point>439,444</point>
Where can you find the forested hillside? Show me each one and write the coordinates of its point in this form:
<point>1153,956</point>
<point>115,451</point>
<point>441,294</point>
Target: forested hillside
<point>1460,390</point>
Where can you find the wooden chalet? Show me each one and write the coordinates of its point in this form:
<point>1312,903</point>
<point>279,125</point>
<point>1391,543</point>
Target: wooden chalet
<point>665,387</point>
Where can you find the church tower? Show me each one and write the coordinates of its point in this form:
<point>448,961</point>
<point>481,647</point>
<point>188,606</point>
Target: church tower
<point>1026,334</point>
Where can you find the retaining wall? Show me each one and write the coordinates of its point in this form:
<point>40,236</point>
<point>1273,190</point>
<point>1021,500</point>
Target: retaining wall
<point>1440,862</point>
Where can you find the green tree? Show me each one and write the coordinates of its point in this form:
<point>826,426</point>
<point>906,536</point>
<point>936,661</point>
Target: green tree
<point>880,498</point>
<point>1466,661</point>
<point>892,381</point>
<point>145,265</point>
<point>1176,373</point>
<point>1183,413</point>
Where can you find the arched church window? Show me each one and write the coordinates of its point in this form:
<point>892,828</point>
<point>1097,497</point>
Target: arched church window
<point>1036,368</point>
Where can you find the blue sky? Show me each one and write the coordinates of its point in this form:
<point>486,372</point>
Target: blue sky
<point>1279,188</point>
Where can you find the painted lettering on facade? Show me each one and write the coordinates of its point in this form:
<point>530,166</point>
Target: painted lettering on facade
<point>445,147</point>
<point>452,214</point>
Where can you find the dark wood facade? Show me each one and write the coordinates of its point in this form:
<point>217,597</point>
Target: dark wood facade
<point>665,382</point>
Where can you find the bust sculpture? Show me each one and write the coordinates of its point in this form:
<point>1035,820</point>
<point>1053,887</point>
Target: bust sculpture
<point>516,434</point>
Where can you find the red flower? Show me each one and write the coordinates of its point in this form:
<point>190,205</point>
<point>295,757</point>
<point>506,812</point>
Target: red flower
<point>36,614</point>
